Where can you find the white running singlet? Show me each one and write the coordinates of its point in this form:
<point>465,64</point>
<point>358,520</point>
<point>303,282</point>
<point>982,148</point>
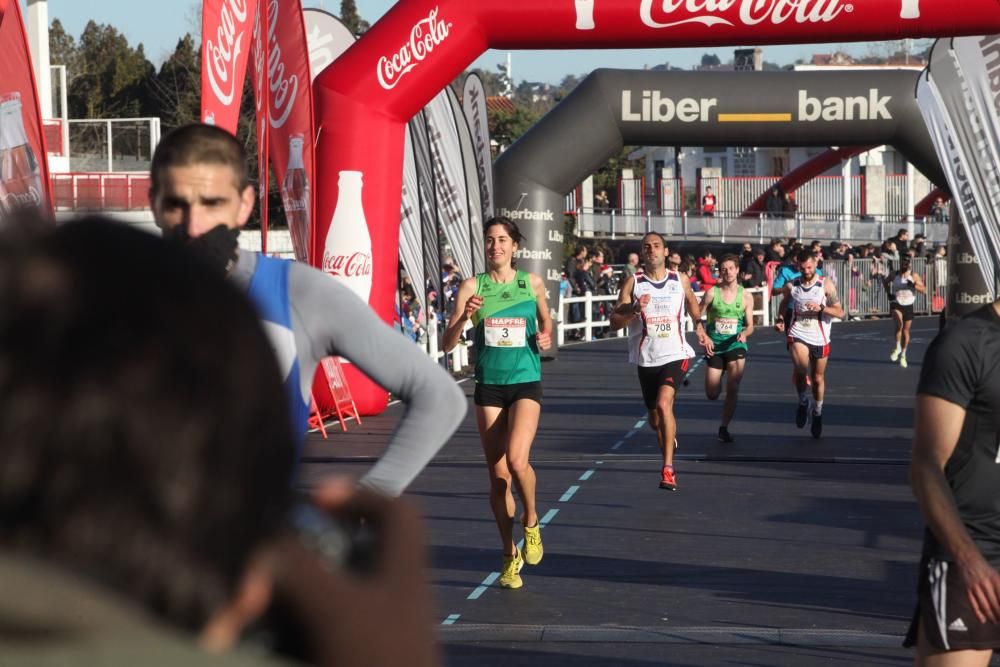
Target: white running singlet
<point>806,326</point>
<point>656,336</point>
<point>902,290</point>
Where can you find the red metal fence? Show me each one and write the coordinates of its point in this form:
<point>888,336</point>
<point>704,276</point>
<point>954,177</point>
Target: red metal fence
<point>100,192</point>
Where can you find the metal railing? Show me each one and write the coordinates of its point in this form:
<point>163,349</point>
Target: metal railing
<point>726,227</point>
<point>592,329</point>
<point>862,291</point>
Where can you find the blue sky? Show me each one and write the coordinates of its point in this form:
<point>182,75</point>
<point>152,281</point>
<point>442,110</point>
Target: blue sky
<point>160,23</point>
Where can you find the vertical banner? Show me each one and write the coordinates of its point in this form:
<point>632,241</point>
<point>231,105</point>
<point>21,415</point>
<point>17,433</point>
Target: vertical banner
<point>474,105</point>
<point>449,180</point>
<point>431,245</point>
<point>24,170</point>
<point>473,190</point>
<point>962,117</point>
<point>290,117</point>
<point>411,250</point>
<point>225,46</point>
<point>261,89</point>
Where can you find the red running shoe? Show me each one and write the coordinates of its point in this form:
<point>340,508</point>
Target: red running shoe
<point>669,481</point>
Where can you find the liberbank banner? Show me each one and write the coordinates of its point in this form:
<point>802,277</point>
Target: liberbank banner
<point>418,47</point>
<point>614,108</point>
<point>959,97</point>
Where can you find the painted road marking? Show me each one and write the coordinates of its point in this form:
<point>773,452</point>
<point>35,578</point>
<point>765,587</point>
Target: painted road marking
<point>587,475</point>
<point>569,493</point>
<point>487,582</point>
<point>618,444</point>
<point>451,619</point>
<point>639,424</point>
<point>551,514</point>
<point>630,434</point>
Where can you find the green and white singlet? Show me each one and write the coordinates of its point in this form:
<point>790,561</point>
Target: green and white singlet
<point>725,321</point>
<point>506,324</point>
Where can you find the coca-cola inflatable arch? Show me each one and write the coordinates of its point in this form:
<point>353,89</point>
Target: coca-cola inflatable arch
<point>365,98</point>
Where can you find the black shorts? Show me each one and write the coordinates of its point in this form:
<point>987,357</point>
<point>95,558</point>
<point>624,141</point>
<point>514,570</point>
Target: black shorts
<point>905,311</point>
<point>720,360</point>
<point>945,614</point>
<point>815,351</point>
<point>651,378</point>
<point>504,395</point>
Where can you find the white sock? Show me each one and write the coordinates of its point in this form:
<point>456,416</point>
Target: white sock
<point>897,348</point>
<point>818,408</point>
<point>804,397</point>
<point>903,352</point>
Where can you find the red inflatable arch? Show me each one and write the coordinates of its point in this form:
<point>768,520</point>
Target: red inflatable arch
<point>365,98</point>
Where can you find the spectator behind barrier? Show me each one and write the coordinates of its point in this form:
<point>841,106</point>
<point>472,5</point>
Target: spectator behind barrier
<point>145,467</point>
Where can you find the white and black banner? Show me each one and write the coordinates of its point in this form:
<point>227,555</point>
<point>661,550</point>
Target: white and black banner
<point>452,203</point>
<point>473,190</point>
<point>411,249</point>
<point>326,36</point>
<point>958,99</point>
<point>474,105</point>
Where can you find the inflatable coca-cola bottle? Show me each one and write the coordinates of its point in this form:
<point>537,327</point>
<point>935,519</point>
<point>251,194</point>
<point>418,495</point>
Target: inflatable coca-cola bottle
<point>295,197</point>
<point>20,175</point>
<point>347,255</point>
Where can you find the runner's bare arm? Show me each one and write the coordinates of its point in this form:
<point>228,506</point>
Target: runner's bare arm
<point>779,320</point>
<point>624,308</point>
<point>747,315</point>
<point>470,303</point>
<point>938,425</point>
<point>918,284</point>
<point>833,307</point>
<point>694,310</point>
<point>544,335</point>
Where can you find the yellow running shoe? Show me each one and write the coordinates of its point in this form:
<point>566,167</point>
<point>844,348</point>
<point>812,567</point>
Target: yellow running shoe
<point>509,577</point>
<point>533,545</point>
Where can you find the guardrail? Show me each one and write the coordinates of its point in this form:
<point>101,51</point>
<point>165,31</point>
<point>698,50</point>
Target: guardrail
<point>759,228</point>
<point>588,325</point>
<point>100,191</point>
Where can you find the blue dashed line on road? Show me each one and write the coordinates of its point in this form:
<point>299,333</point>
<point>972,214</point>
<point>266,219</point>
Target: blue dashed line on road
<point>451,619</point>
<point>569,493</point>
<point>487,582</point>
<point>630,434</point>
<point>639,424</point>
<point>618,444</point>
<point>551,514</point>
<point>587,475</point>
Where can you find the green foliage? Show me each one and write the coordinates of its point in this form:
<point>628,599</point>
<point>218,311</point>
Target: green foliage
<point>710,60</point>
<point>507,127</point>
<point>349,15</point>
<point>110,78</point>
<point>175,91</point>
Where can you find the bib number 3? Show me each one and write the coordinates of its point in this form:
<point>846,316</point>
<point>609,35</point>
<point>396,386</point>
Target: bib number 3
<point>506,332</point>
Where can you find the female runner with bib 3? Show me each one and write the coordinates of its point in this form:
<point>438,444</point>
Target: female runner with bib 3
<point>512,323</point>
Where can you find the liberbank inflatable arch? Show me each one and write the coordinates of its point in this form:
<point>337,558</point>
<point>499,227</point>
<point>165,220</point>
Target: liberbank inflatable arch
<point>613,108</point>
<point>364,99</point>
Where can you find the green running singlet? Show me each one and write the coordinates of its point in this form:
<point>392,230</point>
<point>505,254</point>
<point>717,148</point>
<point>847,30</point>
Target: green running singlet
<point>506,350</point>
<point>725,321</point>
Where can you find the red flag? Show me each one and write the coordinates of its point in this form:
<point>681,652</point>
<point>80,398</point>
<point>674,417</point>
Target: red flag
<point>287,97</point>
<point>24,169</point>
<point>225,39</point>
<point>260,52</point>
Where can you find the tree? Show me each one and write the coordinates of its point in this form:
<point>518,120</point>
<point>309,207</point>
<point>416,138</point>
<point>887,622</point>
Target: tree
<point>175,91</point>
<point>110,78</point>
<point>507,127</point>
<point>349,15</point>
<point>710,60</point>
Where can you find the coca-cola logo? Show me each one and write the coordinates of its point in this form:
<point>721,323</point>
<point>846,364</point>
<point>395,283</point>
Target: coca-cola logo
<point>751,12</point>
<point>427,34</point>
<point>224,52</point>
<point>348,266</point>
<point>284,89</point>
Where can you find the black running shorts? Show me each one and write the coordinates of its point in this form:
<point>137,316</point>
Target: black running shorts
<point>944,613</point>
<point>505,395</point>
<point>651,378</point>
<point>720,361</point>
<point>905,311</point>
<point>815,351</point>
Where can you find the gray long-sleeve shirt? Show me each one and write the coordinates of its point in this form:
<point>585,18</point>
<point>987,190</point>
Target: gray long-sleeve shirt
<point>329,320</point>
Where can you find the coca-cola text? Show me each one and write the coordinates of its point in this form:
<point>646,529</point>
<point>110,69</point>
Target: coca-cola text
<point>283,90</point>
<point>751,12</point>
<point>348,266</point>
<point>427,34</point>
<point>224,52</point>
